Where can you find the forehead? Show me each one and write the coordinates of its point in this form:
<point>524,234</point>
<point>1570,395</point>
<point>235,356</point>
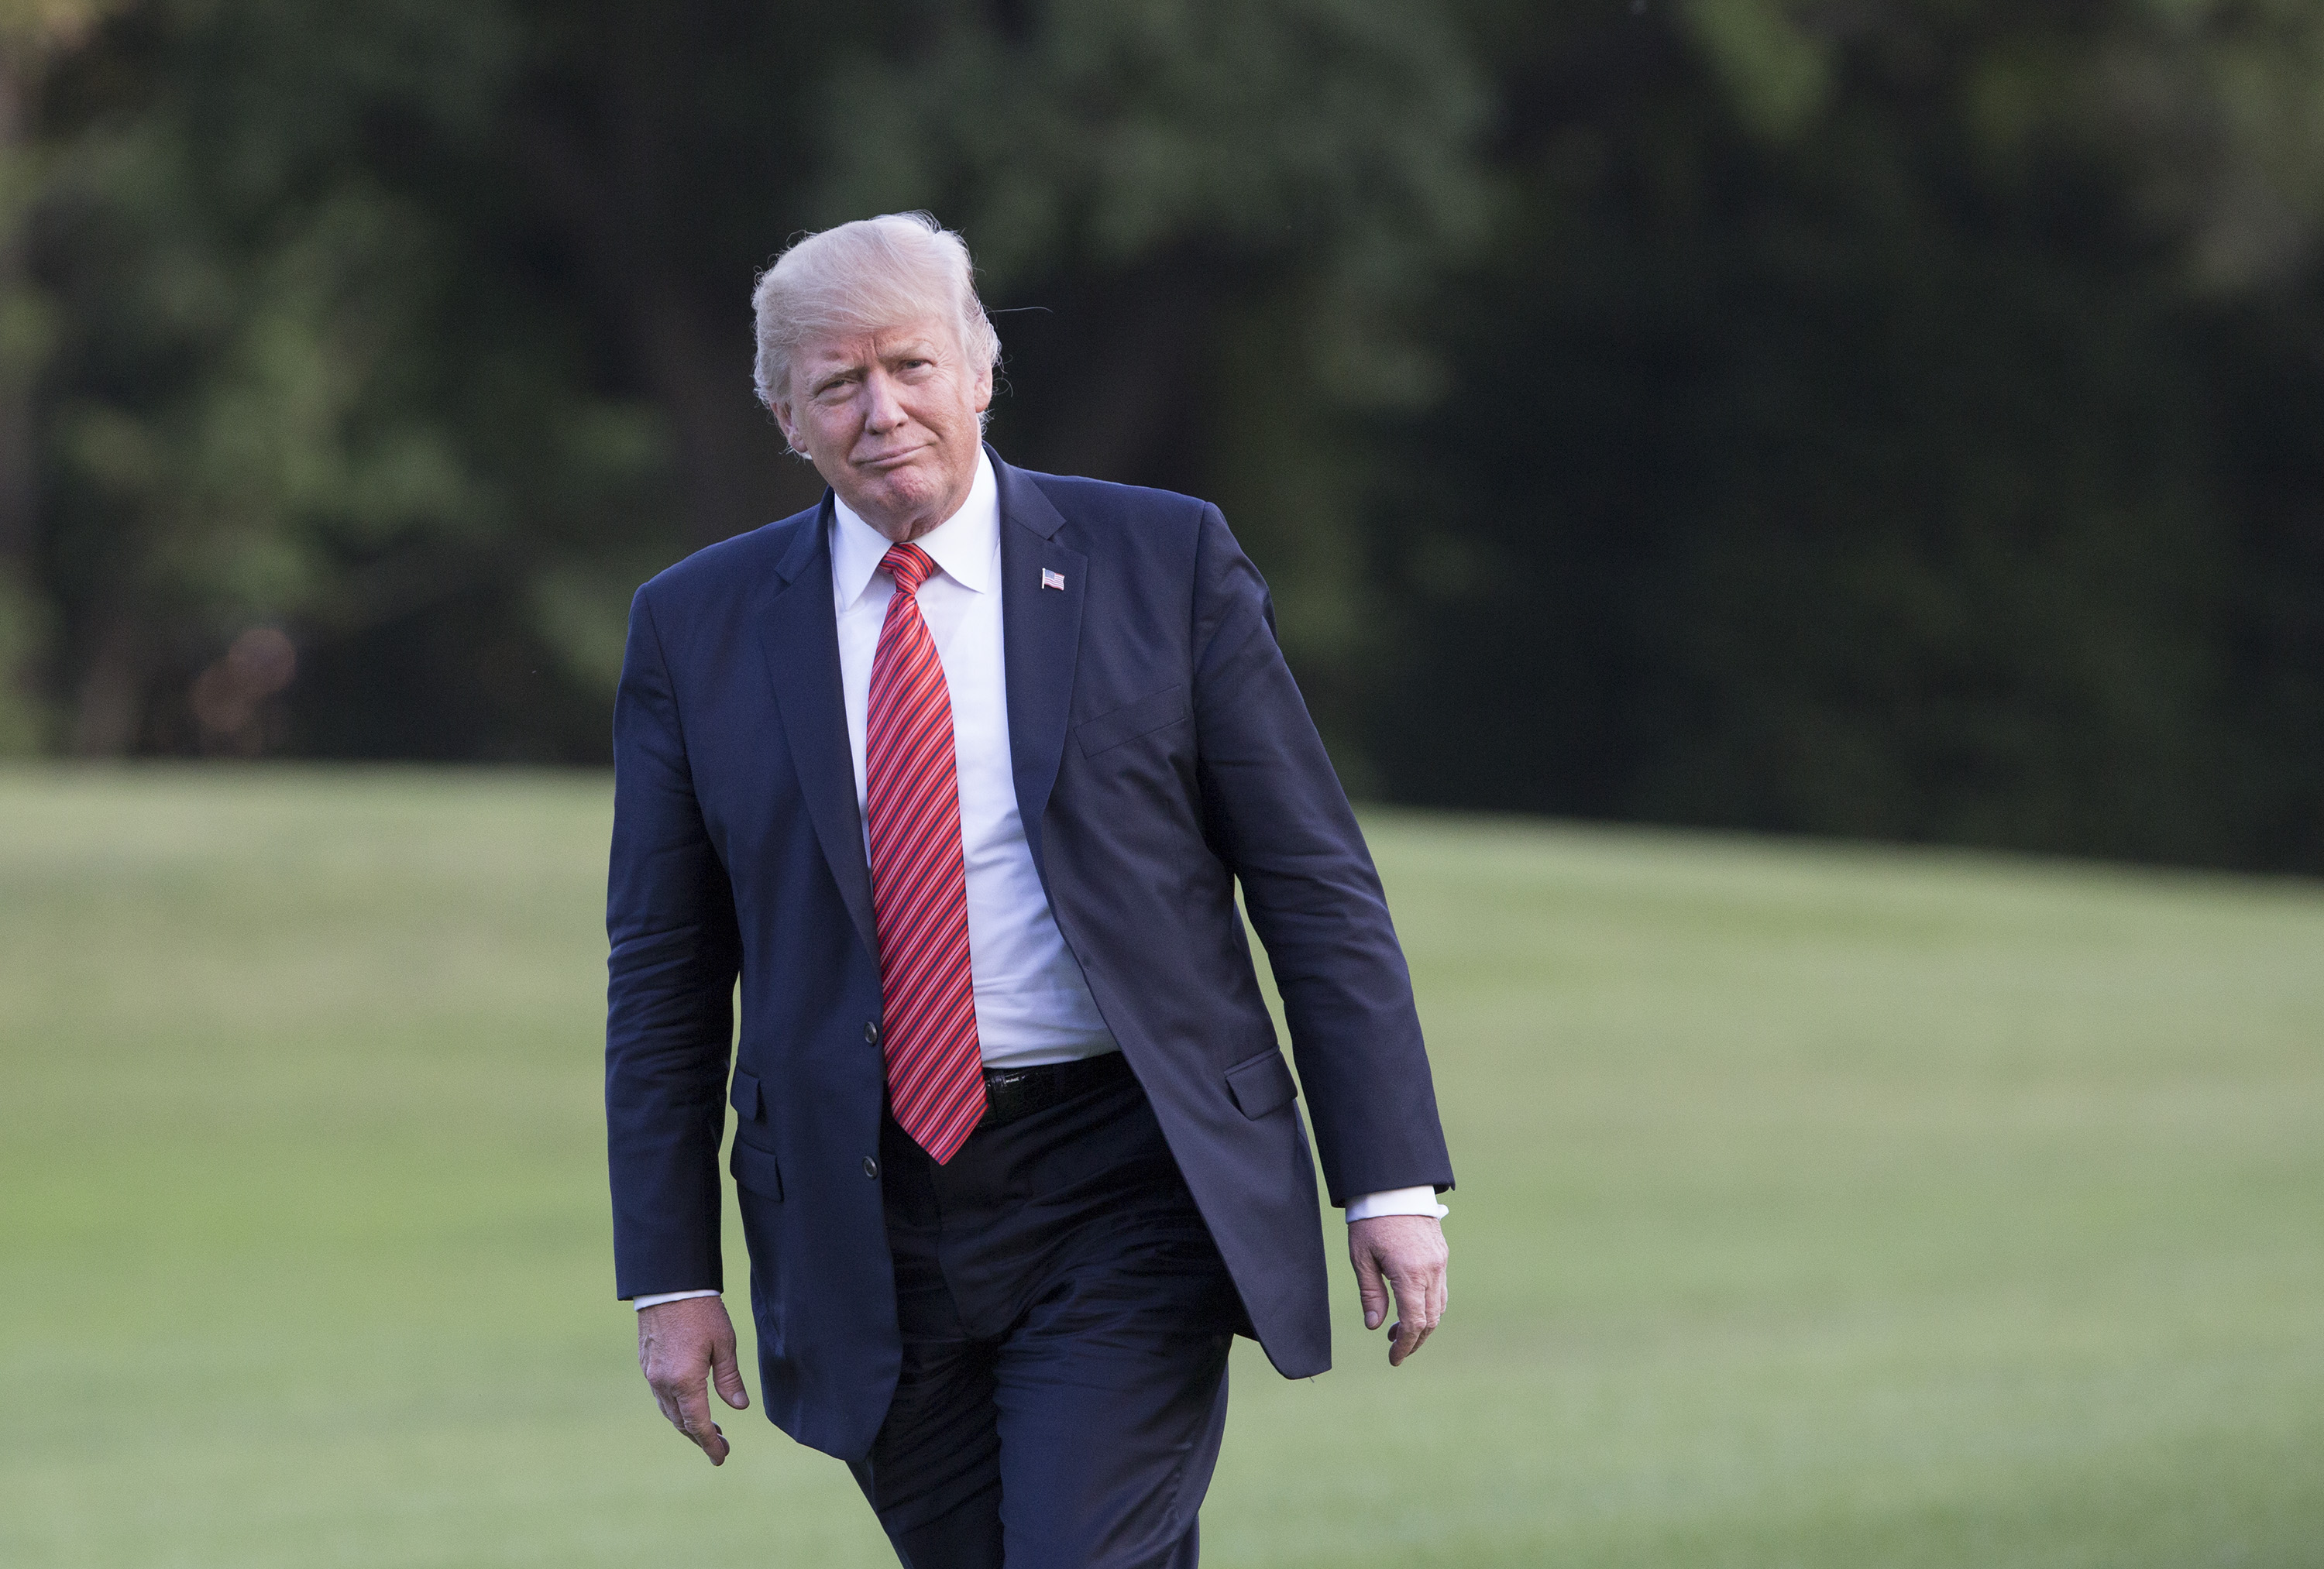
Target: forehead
<point>823,352</point>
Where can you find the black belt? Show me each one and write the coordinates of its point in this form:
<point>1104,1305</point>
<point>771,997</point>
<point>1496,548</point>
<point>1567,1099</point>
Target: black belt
<point>1010,1093</point>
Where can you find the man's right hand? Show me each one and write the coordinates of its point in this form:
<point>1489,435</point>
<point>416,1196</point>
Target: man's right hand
<point>680,1344</point>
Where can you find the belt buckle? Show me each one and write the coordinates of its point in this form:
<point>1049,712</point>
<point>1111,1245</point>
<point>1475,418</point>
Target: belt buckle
<point>1003,1096</point>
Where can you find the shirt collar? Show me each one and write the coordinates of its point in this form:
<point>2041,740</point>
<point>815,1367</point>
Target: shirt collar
<point>961,545</point>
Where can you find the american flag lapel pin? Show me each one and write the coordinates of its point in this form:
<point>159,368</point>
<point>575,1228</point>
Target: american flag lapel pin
<point>1056,580</point>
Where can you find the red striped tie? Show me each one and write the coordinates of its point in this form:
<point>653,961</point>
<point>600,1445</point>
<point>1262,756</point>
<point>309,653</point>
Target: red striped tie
<point>919,888</point>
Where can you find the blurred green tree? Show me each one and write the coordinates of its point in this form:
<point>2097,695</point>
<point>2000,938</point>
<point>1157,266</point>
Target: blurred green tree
<point>304,380</point>
<point>1890,416</point>
<point>33,34</point>
<point>1844,434</point>
<point>421,327</point>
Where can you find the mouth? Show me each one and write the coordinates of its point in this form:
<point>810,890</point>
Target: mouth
<point>887,463</point>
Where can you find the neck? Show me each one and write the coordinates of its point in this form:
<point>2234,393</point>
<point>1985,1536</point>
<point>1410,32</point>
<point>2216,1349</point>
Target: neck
<point>905,529</point>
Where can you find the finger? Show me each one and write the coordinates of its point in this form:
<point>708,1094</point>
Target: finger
<point>725,1375</point>
<point>693,1421</point>
<point>1419,1299</point>
<point>1369,1290</point>
<point>1414,1321</point>
<point>1409,1331</point>
<point>1405,1338</point>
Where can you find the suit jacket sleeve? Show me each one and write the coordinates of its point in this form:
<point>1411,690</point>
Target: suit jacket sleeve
<point>1274,814</point>
<point>675,953</point>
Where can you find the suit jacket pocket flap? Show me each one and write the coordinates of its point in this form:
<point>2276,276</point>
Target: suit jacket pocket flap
<point>1261,1084</point>
<point>747,1105</point>
<point>1130,720</point>
<point>755,1169</point>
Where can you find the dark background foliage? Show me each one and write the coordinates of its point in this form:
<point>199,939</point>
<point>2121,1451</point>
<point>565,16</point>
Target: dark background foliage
<point>1879,418</point>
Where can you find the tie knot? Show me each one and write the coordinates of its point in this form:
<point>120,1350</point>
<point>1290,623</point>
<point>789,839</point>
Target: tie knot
<point>909,565</point>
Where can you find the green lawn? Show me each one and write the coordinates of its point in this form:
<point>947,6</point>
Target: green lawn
<point>1820,1207</point>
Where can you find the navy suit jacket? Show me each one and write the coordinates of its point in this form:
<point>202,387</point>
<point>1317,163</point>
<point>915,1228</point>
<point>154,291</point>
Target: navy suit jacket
<point>1161,753</point>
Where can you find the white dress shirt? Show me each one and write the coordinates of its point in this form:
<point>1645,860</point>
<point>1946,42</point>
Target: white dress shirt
<point>1032,1006</point>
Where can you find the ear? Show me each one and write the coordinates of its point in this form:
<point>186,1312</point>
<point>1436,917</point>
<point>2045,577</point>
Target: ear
<point>781,408</point>
<point>983,388</point>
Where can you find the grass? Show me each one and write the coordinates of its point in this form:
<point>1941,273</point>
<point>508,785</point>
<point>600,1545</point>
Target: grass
<point>1820,1207</point>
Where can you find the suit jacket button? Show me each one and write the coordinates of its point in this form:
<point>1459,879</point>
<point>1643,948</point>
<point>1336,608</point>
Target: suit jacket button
<point>871,1033</point>
<point>870,1167</point>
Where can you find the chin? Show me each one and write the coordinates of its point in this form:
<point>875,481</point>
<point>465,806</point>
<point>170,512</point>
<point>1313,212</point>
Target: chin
<point>906,488</point>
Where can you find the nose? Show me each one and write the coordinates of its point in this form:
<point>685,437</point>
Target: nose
<point>882,411</point>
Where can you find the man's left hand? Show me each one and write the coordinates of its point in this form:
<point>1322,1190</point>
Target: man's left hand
<point>1406,1253</point>
<point>683,1346</point>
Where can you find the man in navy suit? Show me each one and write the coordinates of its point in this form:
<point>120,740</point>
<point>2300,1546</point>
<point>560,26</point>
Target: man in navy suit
<point>959,772</point>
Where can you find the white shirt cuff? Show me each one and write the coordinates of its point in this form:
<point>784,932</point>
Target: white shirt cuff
<point>661,1297</point>
<point>1421,1200</point>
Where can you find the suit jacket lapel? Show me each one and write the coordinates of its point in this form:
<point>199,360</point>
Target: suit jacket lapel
<point>799,632</point>
<point>1040,637</point>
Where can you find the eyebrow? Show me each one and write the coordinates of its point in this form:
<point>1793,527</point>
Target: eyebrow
<point>914,348</point>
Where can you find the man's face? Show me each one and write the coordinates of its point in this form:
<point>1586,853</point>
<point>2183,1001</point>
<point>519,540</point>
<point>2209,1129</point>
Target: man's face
<point>889,418</point>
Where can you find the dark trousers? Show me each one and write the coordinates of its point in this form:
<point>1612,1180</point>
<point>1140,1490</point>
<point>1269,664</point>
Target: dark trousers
<point>1065,1324</point>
